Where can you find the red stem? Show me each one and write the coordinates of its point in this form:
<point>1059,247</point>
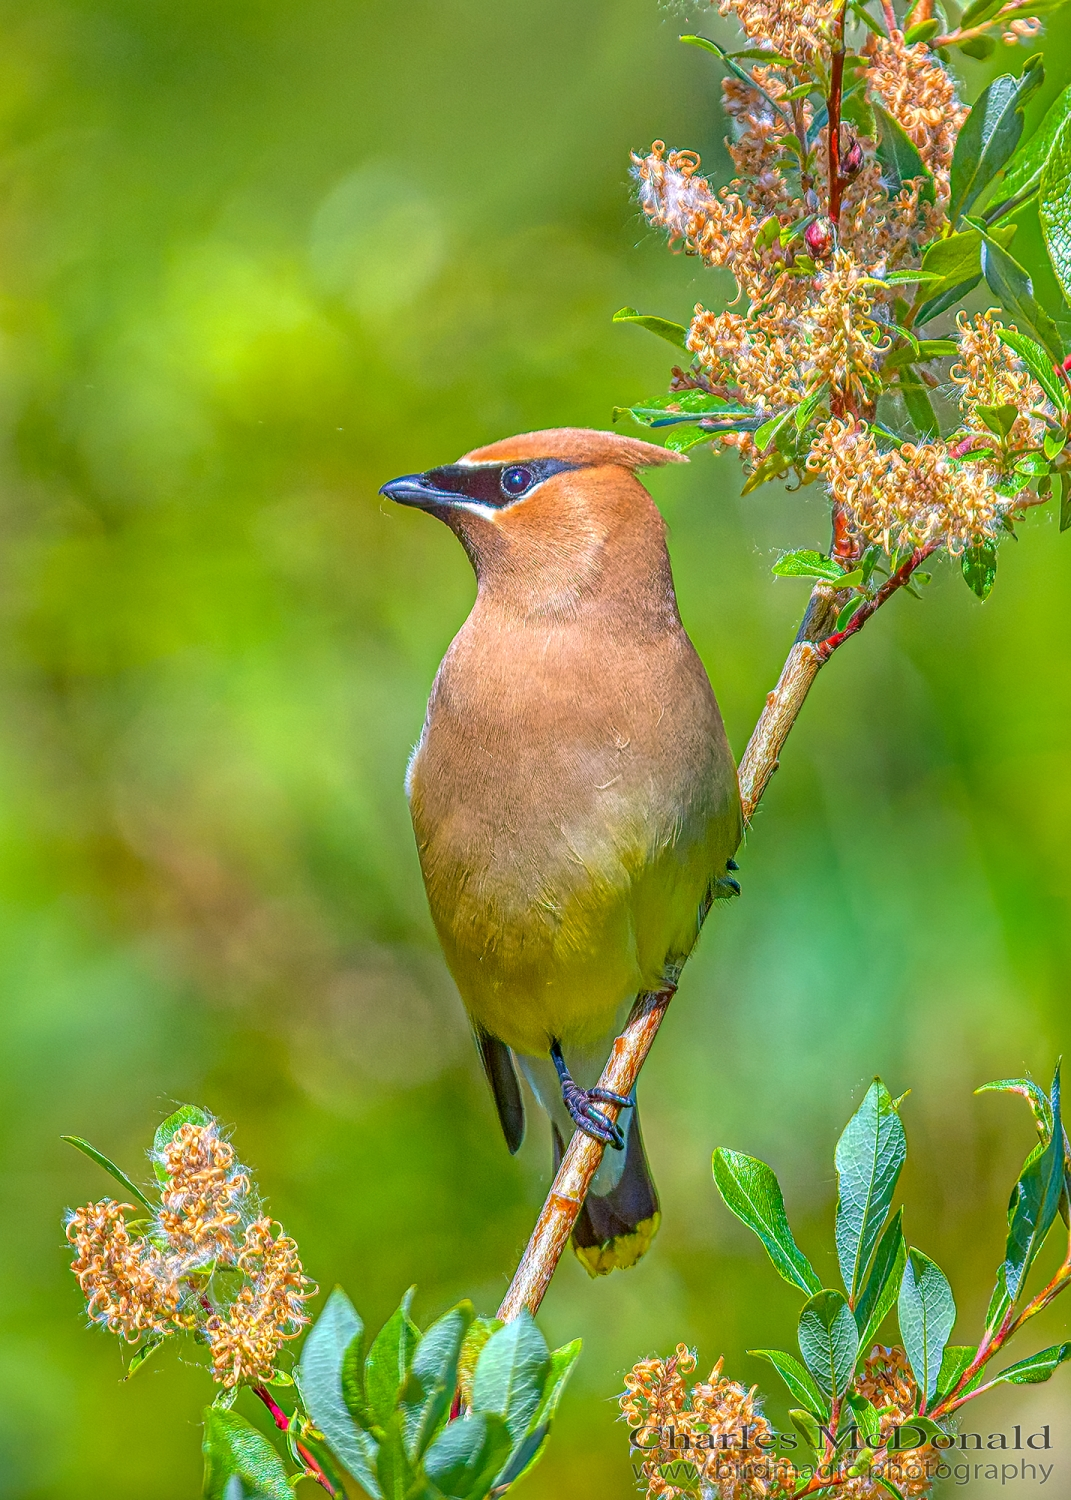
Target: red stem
<point>282,1421</point>
<point>833,104</point>
<point>825,649</point>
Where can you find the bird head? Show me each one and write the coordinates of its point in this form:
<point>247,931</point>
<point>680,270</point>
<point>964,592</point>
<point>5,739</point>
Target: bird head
<point>544,510</point>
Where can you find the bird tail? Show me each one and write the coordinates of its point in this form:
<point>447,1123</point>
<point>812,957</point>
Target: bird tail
<point>615,1229</point>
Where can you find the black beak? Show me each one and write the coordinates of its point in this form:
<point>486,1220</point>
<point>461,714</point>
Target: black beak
<point>420,491</point>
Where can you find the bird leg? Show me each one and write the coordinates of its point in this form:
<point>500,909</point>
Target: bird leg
<point>581,1104</point>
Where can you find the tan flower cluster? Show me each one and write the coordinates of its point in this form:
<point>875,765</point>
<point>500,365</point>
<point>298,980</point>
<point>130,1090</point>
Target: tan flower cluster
<point>800,29</point>
<point>779,353</point>
<point>888,1384</point>
<point>203,1199</point>
<point>713,1438</point>
<point>129,1285</point>
<point>268,1310</point>
<point>921,96</point>
<point>159,1283</point>
<point>990,374</point>
<point>908,497</point>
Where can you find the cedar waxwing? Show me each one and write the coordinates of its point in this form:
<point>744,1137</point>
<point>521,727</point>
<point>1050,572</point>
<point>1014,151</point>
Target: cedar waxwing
<point>573,794</point>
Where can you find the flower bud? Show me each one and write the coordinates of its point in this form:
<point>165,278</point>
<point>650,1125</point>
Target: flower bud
<point>852,159</point>
<point>818,237</point>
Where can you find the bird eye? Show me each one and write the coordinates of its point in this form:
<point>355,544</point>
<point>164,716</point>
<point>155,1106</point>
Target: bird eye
<point>516,479</point>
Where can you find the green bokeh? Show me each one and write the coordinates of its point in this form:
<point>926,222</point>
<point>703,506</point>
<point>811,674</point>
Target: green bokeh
<point>255,259</point>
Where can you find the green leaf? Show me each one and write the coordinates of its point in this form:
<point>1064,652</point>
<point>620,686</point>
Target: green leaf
<point>979,566</point>
<point>1065,502</point>
<point>189,1114</point>
<point>1035,1202</point>
<point>394,1472</point>
<point>999,419</point>
<point>1009,281</point>
<point>511,1373</point>
<point>919,406</point>
<point>684,406</point>
<point>807,564</point>
<point>926,1313</point>
<point>526,1453</point>
<point>144,1351</point>
<point>426,1396</point>
<point>808,1430</point>
<point>899,156</point>
<point>953,1364</point>
<point>337,1330</point>
<point>745,77</point>
<point>866,1417</point>
<point>935,306</point>
<point>980,47</point>
<point>987,139</point>
<point>869,1158</point>
<point>1037,1368</point>
<point>1055,209</point>
<point>1028,163</point>
<point>829,1341</point>
<point>113,1171</point>
<point>673,333</point>
<point>467,1455</point>
<point>1039,363</point>
<point>232,1446</point>
<point>808,406</point>
<point>922,32</point>
<point>751,1191</point>
<point>387,1366</point>
<point>924,1430</point>
<point>798,1379</point>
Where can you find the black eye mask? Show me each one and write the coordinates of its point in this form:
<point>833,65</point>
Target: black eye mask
<point>495,484</point>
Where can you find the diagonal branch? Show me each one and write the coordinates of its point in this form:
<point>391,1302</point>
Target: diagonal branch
<point>815,643</point>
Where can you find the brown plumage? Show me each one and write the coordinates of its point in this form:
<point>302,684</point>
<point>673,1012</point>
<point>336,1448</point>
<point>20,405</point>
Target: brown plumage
<point>573,793</point>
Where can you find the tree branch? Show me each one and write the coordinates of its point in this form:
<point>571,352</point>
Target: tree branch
<point>815,642</point>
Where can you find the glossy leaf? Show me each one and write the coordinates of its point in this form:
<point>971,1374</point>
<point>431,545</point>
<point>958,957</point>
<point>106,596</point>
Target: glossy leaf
<point>511,1373</point>
<point>1028,163</point>
<point>673,333</point>
<point>900,158</point>
<point>869,1157</point>
<point>113,1171</point>
<point>467,1455</point>
<point>1035,1202</point>
<point>394,1472</point>
<point>807,564</point>
<point>1009,281</point>
<point>808,1429</point>
<point>926,1312</point>
<point>189,1114</point>
<point>751,1191</point>
<point>919,406</point>
<point>987,139</point>
<point>1055,209</point>
<point>979,568</point>
<point>527,1451</point>
<point>387,1366</point>
<point>1037,1368</point>
<point>232,1446</point>
<point>1039,363</point>
<point>1065,502</point>
<point>829,1341</point>
<point>954,1361</point>
<point>143,1352</point>
<point>797,1378</point>
<point>745,77</point>
<point>426,1396</point>
<point>336,1330</point>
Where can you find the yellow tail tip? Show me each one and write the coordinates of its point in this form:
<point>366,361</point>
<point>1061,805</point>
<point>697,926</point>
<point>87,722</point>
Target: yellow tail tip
<point>623,1251</point>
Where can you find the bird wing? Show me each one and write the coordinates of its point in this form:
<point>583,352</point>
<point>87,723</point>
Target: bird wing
<point>497,1062</point>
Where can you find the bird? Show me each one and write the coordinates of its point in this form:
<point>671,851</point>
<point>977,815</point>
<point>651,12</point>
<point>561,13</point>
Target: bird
<point>573,795</point>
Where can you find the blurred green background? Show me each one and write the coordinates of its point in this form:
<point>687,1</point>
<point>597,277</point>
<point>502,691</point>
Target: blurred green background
<point>255,259</point>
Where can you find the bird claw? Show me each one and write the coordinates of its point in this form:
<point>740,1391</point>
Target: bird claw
<point>581,1104</point>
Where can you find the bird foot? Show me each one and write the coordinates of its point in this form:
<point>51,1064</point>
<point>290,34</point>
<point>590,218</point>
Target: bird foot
<point>582,1105</point>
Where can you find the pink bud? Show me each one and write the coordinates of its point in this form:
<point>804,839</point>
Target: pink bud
<point>818,237</point>
<point>853,160</point>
